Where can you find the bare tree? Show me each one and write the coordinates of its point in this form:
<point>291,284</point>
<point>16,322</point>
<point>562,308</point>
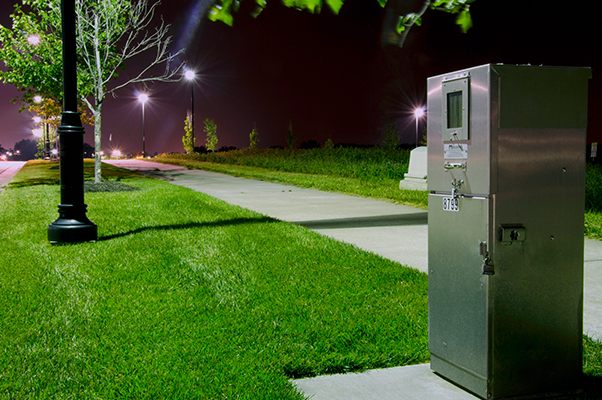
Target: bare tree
<point>111,32</point>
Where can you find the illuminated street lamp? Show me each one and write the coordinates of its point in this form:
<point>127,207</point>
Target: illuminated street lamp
<point>33,40</point>
<point>418,113</point>
<point>72,225</point>
<point>190,75</point>
<point>143,98</point>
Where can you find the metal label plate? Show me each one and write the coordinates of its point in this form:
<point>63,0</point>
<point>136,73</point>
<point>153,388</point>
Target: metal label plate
<point>451,204</point>
<point>455,151</point>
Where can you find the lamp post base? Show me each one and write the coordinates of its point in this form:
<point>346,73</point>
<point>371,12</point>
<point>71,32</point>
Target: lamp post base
<point>72,226</point>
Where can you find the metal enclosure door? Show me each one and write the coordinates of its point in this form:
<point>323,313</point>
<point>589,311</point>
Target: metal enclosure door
<point>458,292</point>
<point>507,144</point>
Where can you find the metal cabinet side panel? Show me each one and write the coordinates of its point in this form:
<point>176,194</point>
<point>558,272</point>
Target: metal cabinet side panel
<point>537,323</point>
<point>458,293</point>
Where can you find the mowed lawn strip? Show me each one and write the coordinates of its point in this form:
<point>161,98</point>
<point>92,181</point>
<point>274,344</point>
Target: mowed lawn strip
<point>185,296</point>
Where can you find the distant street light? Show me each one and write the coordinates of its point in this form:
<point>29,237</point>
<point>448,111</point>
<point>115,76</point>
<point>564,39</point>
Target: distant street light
<point>418,113</point>
<point>33,40</point>
<point>190,75</point>
<point>143,99</point>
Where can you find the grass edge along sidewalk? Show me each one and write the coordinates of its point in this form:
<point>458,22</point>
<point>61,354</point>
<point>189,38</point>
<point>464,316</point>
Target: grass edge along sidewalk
<point>351,171</point>
<point>185,296</point>
<point>372,172</point>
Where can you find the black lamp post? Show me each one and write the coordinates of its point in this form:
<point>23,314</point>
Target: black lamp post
<point>143,98</point>
<point>46,140</point>
<point>190,75</point>
<point>72,225</point>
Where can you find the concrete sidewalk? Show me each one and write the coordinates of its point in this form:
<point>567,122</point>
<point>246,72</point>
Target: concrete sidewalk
<point>8,169</point>
<point>393,231</point>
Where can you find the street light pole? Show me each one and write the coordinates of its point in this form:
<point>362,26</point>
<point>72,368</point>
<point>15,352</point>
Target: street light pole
<point>38,100</point>
<point>46,140</point>
<point>143,98</point>
<point>72,225</point>
<point>190,75</point>
<point>418,113</point>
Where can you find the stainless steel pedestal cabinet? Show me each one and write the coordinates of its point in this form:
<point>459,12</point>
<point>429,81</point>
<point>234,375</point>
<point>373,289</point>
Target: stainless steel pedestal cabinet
<point>506,175</point>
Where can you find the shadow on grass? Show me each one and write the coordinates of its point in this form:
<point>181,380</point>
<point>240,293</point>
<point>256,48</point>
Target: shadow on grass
<point>188,225</point>
<point>592,386</point>
<point>167,176</point>
<point>418,218</point>
<point>34,182</point>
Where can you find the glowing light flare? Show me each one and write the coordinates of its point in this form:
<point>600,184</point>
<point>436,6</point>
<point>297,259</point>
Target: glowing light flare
<point>143,98</point>
<point>34,40</point>
<point>37,132</point>
<point>419,112</point>
<point>37,99</point>
<point>191,26</point>
<point>190,75</point>
<point>116,153</point>
<point>37,119</point>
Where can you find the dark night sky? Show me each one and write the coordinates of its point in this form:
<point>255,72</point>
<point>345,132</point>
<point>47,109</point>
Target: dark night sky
<point>328,75</point>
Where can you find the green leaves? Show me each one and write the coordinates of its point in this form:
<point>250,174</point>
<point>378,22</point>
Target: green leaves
<point>464,20</point>
<point>211,131</point>
<point>222,10</point>
<point>407,21</point>
<point>253,138</point>
<point>187,140</point>
<point>32,54</point>
<point>335,5</point>
<point>460,7</point>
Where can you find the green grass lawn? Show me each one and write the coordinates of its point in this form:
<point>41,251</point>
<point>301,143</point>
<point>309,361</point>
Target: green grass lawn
<point>184,296</point>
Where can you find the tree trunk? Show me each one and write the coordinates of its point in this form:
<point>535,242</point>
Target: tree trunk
<point>97,143</point>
